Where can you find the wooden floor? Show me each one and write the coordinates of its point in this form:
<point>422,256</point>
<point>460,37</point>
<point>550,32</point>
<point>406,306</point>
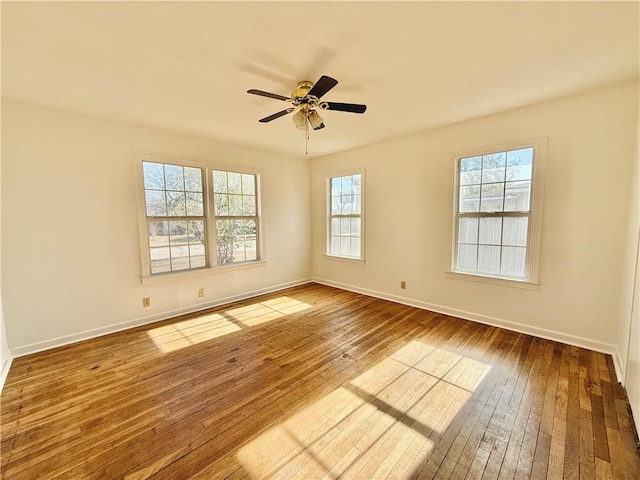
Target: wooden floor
<point>315,382</point>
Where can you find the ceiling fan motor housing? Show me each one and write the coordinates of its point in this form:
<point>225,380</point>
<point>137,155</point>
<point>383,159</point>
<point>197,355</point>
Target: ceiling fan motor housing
<point>302,89</point>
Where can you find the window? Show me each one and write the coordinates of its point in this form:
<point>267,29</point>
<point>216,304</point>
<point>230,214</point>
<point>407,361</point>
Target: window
<point>497,212</point>
<point>183,233</point>
<point>174,200</point>
<point>345,222</point>
<point>236,214</point>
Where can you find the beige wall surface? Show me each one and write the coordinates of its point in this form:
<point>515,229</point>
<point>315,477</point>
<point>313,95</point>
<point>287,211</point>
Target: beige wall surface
<point>584,296</point>
<point>71,256</point>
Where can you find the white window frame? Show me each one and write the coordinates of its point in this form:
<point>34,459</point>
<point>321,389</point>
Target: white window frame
<point>210,233</point>
<point>361,216</point>
<point>532,262</point>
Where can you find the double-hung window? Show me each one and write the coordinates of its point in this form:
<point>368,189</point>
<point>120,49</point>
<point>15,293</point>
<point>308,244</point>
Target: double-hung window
<point>498,207</point>
<point>345,195</point>
<point>236,216</point>
<point>175,210</point>
<point>198,217</point>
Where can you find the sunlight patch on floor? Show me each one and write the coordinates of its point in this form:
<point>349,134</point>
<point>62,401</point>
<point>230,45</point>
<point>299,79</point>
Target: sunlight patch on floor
<point>384,422</point>
<point>266,311</point>
<point>190,332</point>
<point>196,330</point>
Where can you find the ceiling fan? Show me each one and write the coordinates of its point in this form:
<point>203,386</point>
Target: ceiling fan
<point>305,100</point>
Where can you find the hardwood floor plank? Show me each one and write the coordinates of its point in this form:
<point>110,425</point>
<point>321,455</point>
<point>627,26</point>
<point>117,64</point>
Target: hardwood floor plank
<point>315,382</point>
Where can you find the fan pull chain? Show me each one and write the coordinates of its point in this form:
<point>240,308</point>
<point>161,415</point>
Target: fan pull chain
<point>306,140</point>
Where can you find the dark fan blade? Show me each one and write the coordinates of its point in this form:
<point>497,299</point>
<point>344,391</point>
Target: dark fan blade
<point>267,94</point>
<point>322,86</point>
<point>347,107</point>
<point>276,115</point>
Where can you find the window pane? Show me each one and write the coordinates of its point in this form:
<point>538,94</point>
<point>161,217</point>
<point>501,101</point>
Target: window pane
<point>196,231</point>
<point>197,257</point>
<point>470,170</point>
<point>178,233</point>
<point>176,204</point>
<point>345,226</point>
<point>248,184</point>
<point>336,206</point>
<point>160,260</point>
<point>357,183</point>
<point>515,231</point>
<point>225,241</point>
<point>156,205</point>
<point>195,206</point>
<point>153,175</point>
<point>513,261</point>
<point>174,177</point>
<point>488,259</point>
<point>492,197</point>
<point>221,204</point>
<point>355,227</point>
<point>347,185</point>
<point>335,245</point>
<point>354,251</point>
<point>250,245</point>
<point>493,167</point>
<point>358,204</point>
<point>517,196</point>
<point>490,231</point>
<point>180,257</point>
<point>335,226</point>
<point>192,179</point>
<point>219,182</point>
<point>467,257</point>
<point>468,230</point>
<point>248,205</point>
<point>469,199</point>
<point>158,234</point>
<point>336,186</point>
<point>345,244</point>
<point>519,163</point>
<point>235,205</point>
<point>236,241</point>
<point>234,182</point>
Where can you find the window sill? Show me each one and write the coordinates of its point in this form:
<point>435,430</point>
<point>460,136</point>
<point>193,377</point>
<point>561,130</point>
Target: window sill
<point>201,272</point>
<point>344,259</point>
<point>505,282</point>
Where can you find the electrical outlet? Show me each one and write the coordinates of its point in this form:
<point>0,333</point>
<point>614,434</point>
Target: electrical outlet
<point>146,302</point>
<point>201,292</point>
<point>403,284</point>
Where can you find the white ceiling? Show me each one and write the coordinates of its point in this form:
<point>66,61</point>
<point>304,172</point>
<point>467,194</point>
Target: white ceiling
<point>186,66</point>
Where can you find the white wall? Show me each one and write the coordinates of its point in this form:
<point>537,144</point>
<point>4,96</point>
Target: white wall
<point>71,256</point>
<point>585,288</point>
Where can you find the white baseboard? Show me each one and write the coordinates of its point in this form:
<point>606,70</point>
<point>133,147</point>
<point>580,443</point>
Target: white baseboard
<point>492,321</point>
<point>5,371</point>
<point>484,319</point>
<point>137,322</point>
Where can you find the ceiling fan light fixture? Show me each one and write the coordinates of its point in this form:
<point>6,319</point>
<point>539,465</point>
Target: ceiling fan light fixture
<point>315,120</point>
<point>300,119</point>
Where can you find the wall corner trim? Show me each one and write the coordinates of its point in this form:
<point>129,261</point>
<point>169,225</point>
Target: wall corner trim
<point>6,366</point>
